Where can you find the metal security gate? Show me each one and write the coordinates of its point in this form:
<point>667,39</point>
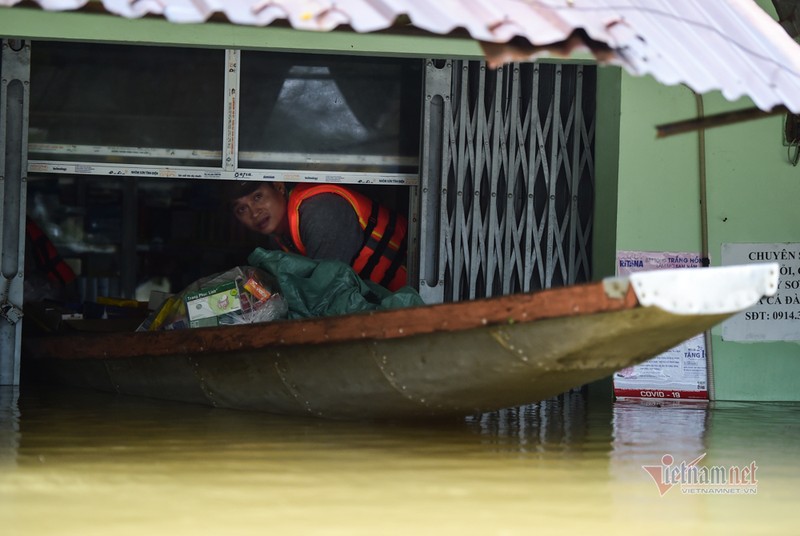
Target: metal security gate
<point>507,178</point>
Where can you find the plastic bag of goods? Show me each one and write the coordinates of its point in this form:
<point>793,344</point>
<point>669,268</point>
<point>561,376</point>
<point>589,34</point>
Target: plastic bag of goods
<point>242,295</point>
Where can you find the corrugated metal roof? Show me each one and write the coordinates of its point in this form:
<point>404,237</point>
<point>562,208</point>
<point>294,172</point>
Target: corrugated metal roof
<point>728,45</point>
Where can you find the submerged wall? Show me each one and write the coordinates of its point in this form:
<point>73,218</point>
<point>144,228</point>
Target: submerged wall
<point>753,196</point>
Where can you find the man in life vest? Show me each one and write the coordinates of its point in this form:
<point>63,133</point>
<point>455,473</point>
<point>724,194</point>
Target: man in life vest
<point>326,221</point>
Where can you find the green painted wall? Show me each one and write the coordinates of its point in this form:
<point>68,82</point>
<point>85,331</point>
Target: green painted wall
<point>658,179</point>
<point>607,152</point>
<point>753,195</point>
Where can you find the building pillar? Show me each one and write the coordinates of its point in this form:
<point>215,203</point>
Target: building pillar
<point>430,270</point>
<point>14,100</point>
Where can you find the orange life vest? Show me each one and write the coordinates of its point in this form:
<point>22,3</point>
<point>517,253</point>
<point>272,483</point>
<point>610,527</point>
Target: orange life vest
<point>46,256</point>
<point>383,252</point>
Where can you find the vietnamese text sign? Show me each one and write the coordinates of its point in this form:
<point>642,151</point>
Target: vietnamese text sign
<point>678,373</point>
<point>773,318</point>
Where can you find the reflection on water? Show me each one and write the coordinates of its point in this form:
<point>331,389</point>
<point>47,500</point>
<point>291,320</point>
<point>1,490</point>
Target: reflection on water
<point>89,463</point>
<point>646,430</point>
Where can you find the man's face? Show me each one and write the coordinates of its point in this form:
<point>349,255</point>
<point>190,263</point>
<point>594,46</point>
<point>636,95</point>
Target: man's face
<point>263,210</point>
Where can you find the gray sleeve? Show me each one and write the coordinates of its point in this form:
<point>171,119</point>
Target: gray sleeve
<point>329,228</point>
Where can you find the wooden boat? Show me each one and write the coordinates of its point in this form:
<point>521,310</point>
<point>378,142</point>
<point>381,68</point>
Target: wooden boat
<point>439,360</point>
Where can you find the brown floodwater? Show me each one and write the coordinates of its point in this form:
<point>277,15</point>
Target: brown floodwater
<point>85,463</point>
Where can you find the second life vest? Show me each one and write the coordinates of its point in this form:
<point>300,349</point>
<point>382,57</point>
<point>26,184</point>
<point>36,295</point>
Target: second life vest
<point>46,256</point>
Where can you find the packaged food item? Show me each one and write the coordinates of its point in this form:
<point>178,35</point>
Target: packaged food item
<point>242,295</point>
<point>207,305</point>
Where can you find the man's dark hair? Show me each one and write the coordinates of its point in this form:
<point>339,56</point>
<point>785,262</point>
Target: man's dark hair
<point>233,190</point>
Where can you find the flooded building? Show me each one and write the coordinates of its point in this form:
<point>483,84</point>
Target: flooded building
<point>514,176</point>
<point>128,141</point>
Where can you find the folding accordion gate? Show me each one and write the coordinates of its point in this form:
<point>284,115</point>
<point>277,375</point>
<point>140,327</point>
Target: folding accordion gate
<point>506,178</point>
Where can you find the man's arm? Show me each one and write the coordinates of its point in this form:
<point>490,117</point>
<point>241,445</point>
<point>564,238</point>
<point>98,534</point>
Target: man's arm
<point>329,228</point>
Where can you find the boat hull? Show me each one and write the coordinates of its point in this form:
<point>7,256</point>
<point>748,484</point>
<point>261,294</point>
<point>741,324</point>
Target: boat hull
<point>433,361</point>
<point>419,376</point>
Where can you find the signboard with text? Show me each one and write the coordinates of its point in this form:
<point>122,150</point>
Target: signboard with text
<point>680,372</point>
<point>773,318</point>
